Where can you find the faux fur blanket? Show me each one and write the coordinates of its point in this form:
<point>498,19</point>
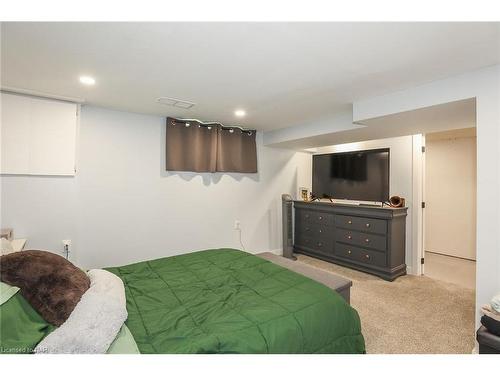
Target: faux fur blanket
<point>95,321</point>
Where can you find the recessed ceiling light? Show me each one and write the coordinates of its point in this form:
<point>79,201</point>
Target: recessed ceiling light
<point>240,113</point>
<point>86,80</point>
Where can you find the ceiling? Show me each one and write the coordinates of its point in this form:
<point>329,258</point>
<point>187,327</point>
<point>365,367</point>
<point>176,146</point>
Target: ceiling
<point>282,74</point>
<point>459,114</point>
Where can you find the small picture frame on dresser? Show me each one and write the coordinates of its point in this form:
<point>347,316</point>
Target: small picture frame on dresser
<point>304,194</point>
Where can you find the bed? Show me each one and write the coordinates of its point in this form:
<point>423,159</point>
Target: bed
<point>218,301</point>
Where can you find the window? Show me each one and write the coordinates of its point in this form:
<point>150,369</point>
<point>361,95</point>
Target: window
<point>200,147</point>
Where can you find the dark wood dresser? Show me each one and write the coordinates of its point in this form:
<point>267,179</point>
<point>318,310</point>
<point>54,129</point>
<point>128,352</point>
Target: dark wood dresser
<point>369,239</point>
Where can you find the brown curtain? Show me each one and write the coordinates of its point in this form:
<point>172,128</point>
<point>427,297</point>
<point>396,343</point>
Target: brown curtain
<point>192,146</point>
<point>236,151</point>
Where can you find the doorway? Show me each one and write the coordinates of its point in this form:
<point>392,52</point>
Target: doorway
<point>449,216</point>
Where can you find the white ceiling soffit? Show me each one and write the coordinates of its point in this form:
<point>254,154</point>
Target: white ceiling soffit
<point>288,136</point>
<point>282,74</point>
<point>454,115</point>
<point>451,134</point>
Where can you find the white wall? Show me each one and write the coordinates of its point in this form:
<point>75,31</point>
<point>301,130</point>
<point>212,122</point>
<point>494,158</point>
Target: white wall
<point>484,85</point>
<point>401,176</point>
<point>450,196</point>
<point>123,207</point>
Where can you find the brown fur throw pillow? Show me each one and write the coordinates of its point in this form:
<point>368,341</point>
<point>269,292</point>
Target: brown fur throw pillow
<point>49,282</point>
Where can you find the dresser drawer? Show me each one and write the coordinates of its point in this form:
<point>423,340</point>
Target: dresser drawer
<point>318,218</point>
<point>316,230</point>
<point>307,216</point>
<point>360,255</point>
<point>373,241</point>
<point>322,245</point>
<point>360,223</point>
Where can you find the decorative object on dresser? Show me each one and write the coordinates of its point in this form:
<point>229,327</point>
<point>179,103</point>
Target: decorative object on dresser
<point>396,201</point>
<point>304,193</point>
<point>369,239</point>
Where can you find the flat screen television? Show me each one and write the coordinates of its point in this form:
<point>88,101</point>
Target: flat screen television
<point>358,175</point>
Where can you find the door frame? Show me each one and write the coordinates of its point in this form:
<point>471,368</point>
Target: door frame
<point>418,197</point>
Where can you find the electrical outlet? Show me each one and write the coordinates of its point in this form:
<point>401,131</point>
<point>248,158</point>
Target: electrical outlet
<point>237,225</point>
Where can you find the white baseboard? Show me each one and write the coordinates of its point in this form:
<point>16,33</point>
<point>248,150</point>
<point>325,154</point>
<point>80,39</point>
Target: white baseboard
<point>273,251</point>
<point>277,251</point>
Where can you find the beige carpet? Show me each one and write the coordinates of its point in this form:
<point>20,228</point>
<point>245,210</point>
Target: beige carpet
<point>413,314</point>
<point>454,270</point>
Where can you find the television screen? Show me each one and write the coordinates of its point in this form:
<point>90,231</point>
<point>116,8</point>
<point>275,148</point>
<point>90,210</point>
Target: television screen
<point>358,175</point>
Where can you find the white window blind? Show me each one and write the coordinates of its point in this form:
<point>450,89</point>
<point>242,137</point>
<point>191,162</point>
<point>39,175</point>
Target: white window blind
<point>38,136</point>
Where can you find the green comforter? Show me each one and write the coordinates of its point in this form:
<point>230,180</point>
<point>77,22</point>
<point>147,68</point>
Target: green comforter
<point>22,328</point>
<point>229,301</point>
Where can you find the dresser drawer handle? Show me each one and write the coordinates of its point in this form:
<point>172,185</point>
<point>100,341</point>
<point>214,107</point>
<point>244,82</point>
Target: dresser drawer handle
<point>367,256</point>
<point>349,237</point>
<point>307,229</point>
<point>320,244</point>
<point>349,222</point>
<point>367,225</point>
<point>320,218</point>
<point>320,231</point>
<point>367,240</point>
<point>349,252</point>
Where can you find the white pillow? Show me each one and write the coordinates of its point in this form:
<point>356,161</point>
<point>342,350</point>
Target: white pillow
<point>6,247</point>
<point>6,291</point>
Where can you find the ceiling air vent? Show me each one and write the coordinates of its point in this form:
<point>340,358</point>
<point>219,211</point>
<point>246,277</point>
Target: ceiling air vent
<point>175,102</point>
